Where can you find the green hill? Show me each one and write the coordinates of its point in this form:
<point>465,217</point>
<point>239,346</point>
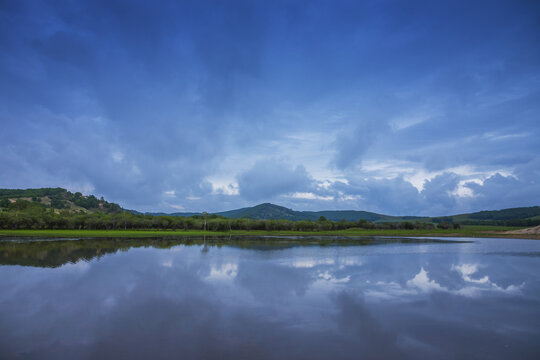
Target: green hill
<point>271,211</point>
<point>55,198</point>
<point>262,211</point>
<point>522,216</point>
<point>505,214</point>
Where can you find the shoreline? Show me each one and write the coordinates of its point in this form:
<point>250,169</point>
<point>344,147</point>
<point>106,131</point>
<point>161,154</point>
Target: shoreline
<point>479,232</point>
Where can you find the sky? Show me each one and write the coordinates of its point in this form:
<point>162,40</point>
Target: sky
<point>398,107</point>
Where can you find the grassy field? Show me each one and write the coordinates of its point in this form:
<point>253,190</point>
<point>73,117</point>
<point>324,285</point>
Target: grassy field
<point>467,231</point>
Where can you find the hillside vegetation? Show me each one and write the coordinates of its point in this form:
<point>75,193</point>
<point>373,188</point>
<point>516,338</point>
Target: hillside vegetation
<point>269,211</point>
<point>50,209</point>
<point>522,216</point>
<point>54,198</point>
<point>57,208</point>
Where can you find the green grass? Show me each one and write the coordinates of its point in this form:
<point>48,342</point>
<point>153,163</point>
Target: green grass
<point>467,231</point>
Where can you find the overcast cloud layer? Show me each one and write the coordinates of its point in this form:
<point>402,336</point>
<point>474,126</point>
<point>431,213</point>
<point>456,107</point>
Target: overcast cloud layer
<point>415,107</point>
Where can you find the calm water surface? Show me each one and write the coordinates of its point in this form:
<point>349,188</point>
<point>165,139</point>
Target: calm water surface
<point>270,298</point>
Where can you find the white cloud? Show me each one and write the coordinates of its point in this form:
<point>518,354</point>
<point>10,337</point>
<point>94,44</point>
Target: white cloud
<point>333,279</point>
<point>422,282</point>
<point>311,262</point>
<point>227,271</point>
<point>497,136</point>
<point>230,189</point>
<point>177,207</point>
<point>467,270</point>
<point>405,122</point>
<point>311,196</point>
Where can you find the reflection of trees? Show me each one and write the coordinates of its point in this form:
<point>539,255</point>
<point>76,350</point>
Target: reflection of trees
<point>205,249</point>
<point>59,252</point>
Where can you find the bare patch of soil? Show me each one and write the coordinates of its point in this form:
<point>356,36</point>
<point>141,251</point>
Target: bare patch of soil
<point>529,231</point>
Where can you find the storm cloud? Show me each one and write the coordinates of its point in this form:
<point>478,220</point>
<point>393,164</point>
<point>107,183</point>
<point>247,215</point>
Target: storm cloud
<point>266,180</point>
<point>416,108</point>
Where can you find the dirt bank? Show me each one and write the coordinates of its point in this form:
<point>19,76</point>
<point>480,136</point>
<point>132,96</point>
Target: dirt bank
<point>529,231</point>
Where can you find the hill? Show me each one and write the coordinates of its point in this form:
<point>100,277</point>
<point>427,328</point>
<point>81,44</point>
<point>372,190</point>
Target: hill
<point>262,211</point>
<point>55,198</point>
<point>271,211</point>
<point>505,214</point>
<point>522,216</point>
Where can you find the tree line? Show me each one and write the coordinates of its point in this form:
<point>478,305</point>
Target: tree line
<point>23,214</point>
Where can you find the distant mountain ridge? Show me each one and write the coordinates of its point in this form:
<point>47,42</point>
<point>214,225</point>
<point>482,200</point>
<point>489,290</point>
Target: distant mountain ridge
<point>61,199</point>
<point>271,211</point>
<point>268,211</point>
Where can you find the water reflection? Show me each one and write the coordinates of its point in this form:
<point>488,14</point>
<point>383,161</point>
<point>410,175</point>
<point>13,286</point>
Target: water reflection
<point>54,253</point>
<point>269,299</point>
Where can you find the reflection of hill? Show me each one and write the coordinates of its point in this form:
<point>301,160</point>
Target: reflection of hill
<point>55,253</point>
<point>59,252</point>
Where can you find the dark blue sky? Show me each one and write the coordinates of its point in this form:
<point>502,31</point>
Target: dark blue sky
<point>400,107</point>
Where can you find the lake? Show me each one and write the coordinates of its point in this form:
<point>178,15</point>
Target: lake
<point>270,298</point>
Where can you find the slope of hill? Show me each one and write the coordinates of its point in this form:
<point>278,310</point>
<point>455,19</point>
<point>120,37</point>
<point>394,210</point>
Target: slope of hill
<point>268,211</point>
<point>262,211</point>
<point>55,198</point>
<point>271,211</point>
<point>522,216</point>
<point>505,214</point>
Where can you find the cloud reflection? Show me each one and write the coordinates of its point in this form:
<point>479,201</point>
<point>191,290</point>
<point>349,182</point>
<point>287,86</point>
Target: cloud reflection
<point>421,283</point>
<point>294,303</point>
